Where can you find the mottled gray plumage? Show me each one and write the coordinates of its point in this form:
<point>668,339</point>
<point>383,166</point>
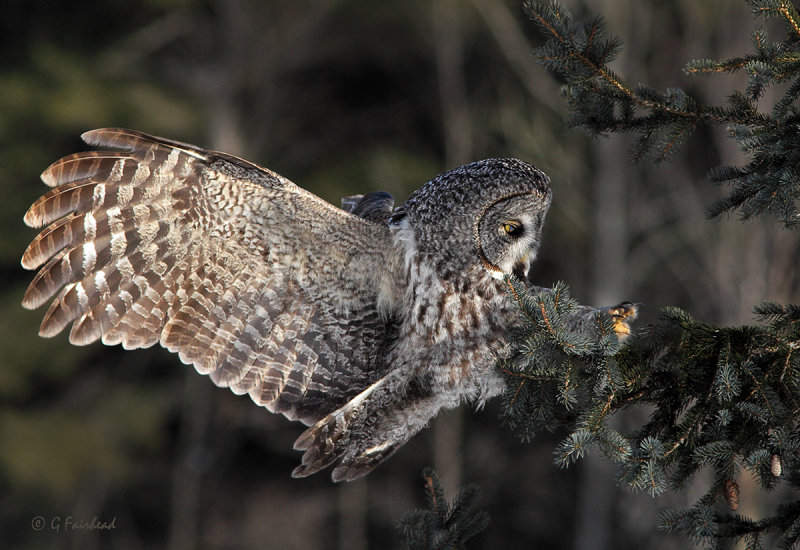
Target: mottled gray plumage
<point>361,324</point>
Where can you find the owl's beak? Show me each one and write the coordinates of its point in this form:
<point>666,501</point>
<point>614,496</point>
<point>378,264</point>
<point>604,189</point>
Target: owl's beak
<point>522,267</point>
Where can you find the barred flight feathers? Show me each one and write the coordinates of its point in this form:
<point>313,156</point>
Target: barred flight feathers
<point>217,259</point>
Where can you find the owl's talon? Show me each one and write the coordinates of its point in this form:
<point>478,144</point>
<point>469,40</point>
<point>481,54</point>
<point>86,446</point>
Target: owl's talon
<point>623,314</point>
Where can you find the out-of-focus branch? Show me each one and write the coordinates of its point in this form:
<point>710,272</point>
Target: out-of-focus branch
<point>505,28</point>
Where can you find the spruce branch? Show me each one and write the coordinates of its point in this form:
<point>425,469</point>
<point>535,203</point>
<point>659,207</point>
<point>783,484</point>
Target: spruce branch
<point>443,526</point>
<point>580,53</point>
<point>778,8</point>
<point>601,102</point>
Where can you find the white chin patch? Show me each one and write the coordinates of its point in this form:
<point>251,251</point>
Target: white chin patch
<point>496,273</point>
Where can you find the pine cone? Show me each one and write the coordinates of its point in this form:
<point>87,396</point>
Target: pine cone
<point>732,494</point>
<point>775,466</point>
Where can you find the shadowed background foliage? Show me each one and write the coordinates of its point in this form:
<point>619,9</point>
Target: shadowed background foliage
<point>346,97</point>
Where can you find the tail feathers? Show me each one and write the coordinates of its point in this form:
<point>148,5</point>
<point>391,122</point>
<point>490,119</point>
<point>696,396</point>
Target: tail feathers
<point>353,434</point>
<point>357,456</point>
<point>360,465</point>
<point>323,444</point>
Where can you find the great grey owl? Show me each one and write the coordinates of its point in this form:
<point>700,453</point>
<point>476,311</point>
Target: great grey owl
<point>360,324</point>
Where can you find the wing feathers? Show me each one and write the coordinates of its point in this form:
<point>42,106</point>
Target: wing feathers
<point>238,348</point>
<point>132,140</point>
<point>81,166</point>
<point>258,283</point>
<point>71,197</point>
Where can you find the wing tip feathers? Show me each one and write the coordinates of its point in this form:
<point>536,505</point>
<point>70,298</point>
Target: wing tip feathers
<point>34,297</point>
<point>27,262</point>
<point>100,136</point>
<point>33,218</point>
<point>48,178</point>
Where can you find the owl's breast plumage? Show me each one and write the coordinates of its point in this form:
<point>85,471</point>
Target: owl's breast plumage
<point>451,331</point>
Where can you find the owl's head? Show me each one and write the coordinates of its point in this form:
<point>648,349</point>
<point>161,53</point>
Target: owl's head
<point>484,216</point>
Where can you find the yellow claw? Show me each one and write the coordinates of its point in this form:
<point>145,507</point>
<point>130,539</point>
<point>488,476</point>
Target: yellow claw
<point>623,314</point>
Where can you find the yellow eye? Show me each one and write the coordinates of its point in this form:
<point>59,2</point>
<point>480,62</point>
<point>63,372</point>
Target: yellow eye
<point>512,228</point>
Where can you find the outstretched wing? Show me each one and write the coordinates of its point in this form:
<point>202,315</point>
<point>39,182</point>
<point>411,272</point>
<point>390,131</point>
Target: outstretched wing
<point>263,286</point>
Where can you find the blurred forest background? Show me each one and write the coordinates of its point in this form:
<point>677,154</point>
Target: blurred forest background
<point>344,97</point>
